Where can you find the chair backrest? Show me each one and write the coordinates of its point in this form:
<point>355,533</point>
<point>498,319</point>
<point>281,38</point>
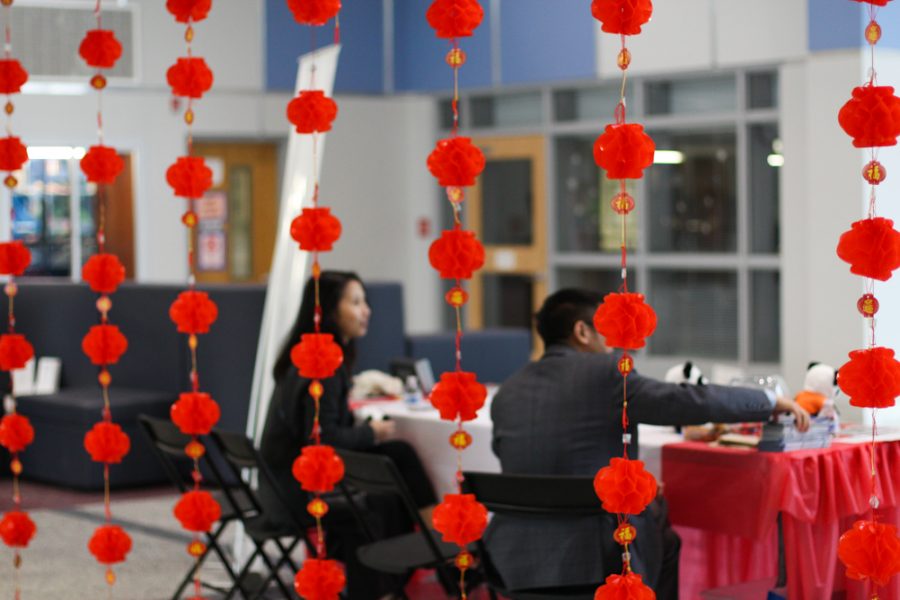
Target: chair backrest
<point>168,444</point>
<point>534,495</point>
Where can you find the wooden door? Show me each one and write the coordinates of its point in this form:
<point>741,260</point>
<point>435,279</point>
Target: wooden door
<point>236,224</point>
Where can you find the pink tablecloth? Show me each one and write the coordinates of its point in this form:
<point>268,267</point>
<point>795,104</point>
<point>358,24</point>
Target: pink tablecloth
<point>724,502</point>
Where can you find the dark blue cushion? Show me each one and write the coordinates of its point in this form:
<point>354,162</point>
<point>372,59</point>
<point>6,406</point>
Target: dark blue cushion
<point>493,354</point>
<point>385,339</point>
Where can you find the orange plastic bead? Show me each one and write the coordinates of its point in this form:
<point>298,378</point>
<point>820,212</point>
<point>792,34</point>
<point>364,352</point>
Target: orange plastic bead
<point>455,194</point>
<point>625,534</point>
<point>17,560</point>
<point>622,203</point>
<point>867,305</point>
<point>110,577</point>
<point>194,449</point>
<point>316,390</point>
<point>104,378</point>
<point>16,466</point>
<point>189,219</point>
<point>874,172</point>
<point>9,108</point>
<point>456,297</point>
<point>317,507</point>
<point>10,181</point>
<point>624,59</point>
<point>98,82</point>
<point>11,289</point>
<point>192,341</point>
<point>189,116</point>
<point>6,2</point>
<point>873,33</point>
<point>456,58</point>
<point>460,440</point>
<point>196,548</point>
<point>464,560</point>
<point>189,34</point>
<point>104,304</point>
<point>316,270</point>
<point>626,364</point>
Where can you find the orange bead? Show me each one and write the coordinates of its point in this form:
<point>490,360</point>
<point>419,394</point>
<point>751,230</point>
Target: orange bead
<point>194,449</point>
<point>316,390</point>
<point>623,59</point>
<point>196,548</point>
<point>316,270</point>
<point>189,219</point>
<point>455,194</point>
<point>104,304</point>
<point>873,33</point>
<point>98,82</point>
<point>189,34</point>
<point>17,560</point>
<point>10,181</point>
<point>11,289</point>
<point>460,439</point>
<point>317,507</point>
<point>16,466</point>
<point>104,378</point>
<point>456,297</point>
<point>189,116</point>
<point>192,341</point>
<point>6,2</point>
<point>9,108</point>
<point>110,577</point>
<point>625,534</point>
<point>464,560</point>
<point>456,58</point>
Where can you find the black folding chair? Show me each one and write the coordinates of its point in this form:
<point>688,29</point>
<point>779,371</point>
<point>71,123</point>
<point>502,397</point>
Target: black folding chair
<point>400,555</point>
<point>168,444</point>
<point>532,496</point>
<point>240,454</point>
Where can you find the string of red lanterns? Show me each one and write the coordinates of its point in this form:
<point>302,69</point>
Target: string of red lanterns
<point>625,320</point>
<point>193,312</point>
<point>316,356</point>
<point>104,344</point>
<point>871,378</point>
<point>456,163</point>
<point>16,433</point>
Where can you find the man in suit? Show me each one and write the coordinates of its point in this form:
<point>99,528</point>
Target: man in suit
<point>562,415</point>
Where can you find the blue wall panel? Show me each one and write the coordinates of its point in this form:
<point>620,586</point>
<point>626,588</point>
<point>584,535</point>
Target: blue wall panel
<point>835,24</point>
<point>419,54</point>
<point>546,41</point>
<point>361,66</point>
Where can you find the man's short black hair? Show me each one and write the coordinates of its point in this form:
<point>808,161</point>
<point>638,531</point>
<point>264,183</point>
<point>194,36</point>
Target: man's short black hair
<point>561,310</point>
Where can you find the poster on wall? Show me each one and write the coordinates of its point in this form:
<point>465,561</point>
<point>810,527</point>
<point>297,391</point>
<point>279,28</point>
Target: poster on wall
<point>211,250</point>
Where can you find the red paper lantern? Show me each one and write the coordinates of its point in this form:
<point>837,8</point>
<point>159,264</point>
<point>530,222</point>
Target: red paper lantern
<point>17,529</point>
<point>625,320</point>
<point>873,2</point>
<point>186,11</point>
<point>189,176</point>
<point>872,247</point>
<point>458,395</point>
<point>456,254</point>
<point>14,258</point>
<point>314,12</point>
<point>102,164</point>
<point>317,356</point>
<point>100,48</point>
<point>623,17</point>
<point>189,77</point>
<point>193,312</point>
<point>871,116</point>
<point>318,468</point>
<point>312,111</point>
<point>456,162</point>
<point>454,18</point>
<point>625,486</point>
<point>15,351</point>
<point>12,76</point>
<point>319,579</point>
<point>624,151</point>
<point>460,519</point>
<point>13,153</point>
<point>103,272</point>
<point>16,432</point>
<point>109,544</point>
<point>195,413</point>
<point>316,229</point>
<point>104,344</point>
<point>624,587</point>
<point>107,443</point>
<point>871,378</point>
<point>197,511</point>
<point>870,551</point>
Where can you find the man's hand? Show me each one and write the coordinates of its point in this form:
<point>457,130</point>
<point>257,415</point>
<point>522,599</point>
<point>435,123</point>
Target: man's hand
<point>801,417</point>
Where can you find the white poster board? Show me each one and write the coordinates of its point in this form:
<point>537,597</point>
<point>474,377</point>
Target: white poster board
<point>289,263</point>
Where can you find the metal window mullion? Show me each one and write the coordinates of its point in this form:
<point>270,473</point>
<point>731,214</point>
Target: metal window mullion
<point>743,223</point>
<point>551,184</point>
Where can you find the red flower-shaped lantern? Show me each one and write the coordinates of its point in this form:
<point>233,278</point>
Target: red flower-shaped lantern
<point>317,356</point>
<point>107,443</point>
<point>197,511</point>
<point>872,116</point>
<point>314,12</point>
<point>185,11</point>
<point>454,18</point>
<point>12,76</point>
<point>109,544</point>
<point>318,468</point>
<point>319,579</point>
<point>870,551</point>
<point>312,111</point>
<point>458,395</point>
<point>103,272</point>
<point>17,529</point>
<point>871,378</point>
<point>456,162</point>
<point>104,344</point>
<point>14,258</point>
<point>460,519</point>
<point>189,176</point>
<point>873,2</point>
<point>623,17</point>
<point>16,432</point>
<point>872,247</point>
<point>625,320</point>
<point>624,587</point>
<point>102,164</point>
<point>100,48</point>
<point>193,312</point>
<point>195,413</point>
<point>189,77</point>
<point>625,486</point>
<point>624,151</point>
<point>13,153</point>
<point>456,254</point>
<point>316,229</point>
<point>15,351</point>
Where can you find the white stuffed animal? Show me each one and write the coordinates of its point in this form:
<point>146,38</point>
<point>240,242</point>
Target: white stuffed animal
<point>686,373</point>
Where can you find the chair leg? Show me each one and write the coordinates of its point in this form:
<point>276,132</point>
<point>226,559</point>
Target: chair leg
<point>273,574</point>
<point>242,574</point>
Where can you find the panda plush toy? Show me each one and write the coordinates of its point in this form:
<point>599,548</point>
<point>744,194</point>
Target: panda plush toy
<point>819,388</point>
<point>686,373</point>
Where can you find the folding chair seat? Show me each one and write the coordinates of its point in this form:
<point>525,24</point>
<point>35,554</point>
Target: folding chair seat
<point>533,496</point>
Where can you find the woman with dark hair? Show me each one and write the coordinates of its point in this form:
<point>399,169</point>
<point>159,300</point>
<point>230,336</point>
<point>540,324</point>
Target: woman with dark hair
<point>344,314</point>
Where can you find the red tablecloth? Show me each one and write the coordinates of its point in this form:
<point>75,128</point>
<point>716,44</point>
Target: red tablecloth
<point>725,501</point>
